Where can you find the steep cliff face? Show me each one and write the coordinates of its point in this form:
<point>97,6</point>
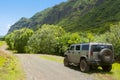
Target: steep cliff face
<point>23,22</point>
<point>75,15</point>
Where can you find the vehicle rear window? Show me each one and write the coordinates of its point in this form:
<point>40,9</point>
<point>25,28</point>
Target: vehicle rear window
<point>98,48</point>
<point>85,47</point>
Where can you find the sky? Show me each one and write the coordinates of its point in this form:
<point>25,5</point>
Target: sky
<point>12,10</point>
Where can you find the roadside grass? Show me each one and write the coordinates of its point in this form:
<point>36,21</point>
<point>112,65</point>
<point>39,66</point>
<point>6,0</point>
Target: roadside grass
<point>10,68</point>
<point>2,43</point>
<point>52,58</point>
<point>116,71</point>
<point>114,74</point>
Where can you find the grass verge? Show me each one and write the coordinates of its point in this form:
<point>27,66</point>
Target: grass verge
<point>2,43</point>
<point>52,58</point>
<point>10,68</point>
<point>114,74</point>
<point>116,71</point>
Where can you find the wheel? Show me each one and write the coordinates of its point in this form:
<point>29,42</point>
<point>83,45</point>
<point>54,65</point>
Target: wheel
<point>107,68</point>
<point>84,67</point>
<point>66,61</point>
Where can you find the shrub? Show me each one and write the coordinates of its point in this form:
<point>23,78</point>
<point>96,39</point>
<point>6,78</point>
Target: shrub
<point>18,39</point>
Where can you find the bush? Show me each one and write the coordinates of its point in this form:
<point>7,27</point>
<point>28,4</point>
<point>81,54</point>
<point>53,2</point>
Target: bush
<point>66,40</point>
<point>10,40</point>
<point>45,39</point>
<point>18,39</point>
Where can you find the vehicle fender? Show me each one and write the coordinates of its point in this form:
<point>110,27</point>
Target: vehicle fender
<point>83,57</point>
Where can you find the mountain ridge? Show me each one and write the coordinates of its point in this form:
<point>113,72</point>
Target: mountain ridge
<point>75,16</point>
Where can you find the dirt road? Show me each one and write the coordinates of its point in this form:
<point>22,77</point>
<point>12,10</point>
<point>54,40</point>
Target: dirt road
<point>40,69</point>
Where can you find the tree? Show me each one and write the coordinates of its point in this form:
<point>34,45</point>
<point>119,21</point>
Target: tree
<point>90,37</point>
<point>74,38</point>
<point>45,39</point>
<point>18,39</point>
<point>10,40</point>
<point>114,37</point>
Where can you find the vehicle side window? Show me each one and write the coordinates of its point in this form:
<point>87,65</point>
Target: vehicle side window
<point>72,48</point>
<point>98,48</point>
<point>77,47</point>
<point>85,47</point>
<point>95,48</point>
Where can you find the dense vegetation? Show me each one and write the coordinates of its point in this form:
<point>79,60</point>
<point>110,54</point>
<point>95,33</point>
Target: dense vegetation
<point>73,21</point>
<point>51,39</point>
<point>76,16</point>
<point>48,39</point>
<point>18,39</point>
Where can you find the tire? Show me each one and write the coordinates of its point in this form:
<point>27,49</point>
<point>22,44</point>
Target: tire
<point>84,67</point>
<point>66,61</point>
<point>106,55</point>
<point>107,68</point>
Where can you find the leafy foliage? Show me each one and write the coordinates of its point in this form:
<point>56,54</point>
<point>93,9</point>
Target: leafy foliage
<point>45,39</point>
<point>66,40</point>
<point>53,39</point>
<point>112,36</point>
<point>49,39</point>
<point>18,39</point>
<point>10,40</point>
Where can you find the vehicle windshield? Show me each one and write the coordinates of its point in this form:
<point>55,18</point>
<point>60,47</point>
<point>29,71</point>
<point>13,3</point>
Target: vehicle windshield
<point>98,48</point>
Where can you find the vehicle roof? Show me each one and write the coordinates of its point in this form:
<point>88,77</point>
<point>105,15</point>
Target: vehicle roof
<point>93,43</point>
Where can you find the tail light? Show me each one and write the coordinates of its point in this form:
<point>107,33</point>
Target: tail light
<point>91,53</point>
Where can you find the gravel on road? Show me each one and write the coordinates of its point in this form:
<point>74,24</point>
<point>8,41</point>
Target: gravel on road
<point>37,68</point>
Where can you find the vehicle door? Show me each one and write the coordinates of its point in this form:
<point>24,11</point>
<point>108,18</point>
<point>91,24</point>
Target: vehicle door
<point>76,54</point>
<point>85,50</point>
<point>71,52</point>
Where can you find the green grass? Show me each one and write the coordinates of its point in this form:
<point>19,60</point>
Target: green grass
<point>2,43</point>
<point>52,58</point>
<point>114,74</point>
<point>10,68</point>
<point>116,71</point>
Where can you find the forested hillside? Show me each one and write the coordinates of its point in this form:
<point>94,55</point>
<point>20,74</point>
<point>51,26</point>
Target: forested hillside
<point>75,16</point>
<point>53,30</point>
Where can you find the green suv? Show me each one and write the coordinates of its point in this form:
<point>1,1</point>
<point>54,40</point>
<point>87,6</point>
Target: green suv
<point>90,56</point>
